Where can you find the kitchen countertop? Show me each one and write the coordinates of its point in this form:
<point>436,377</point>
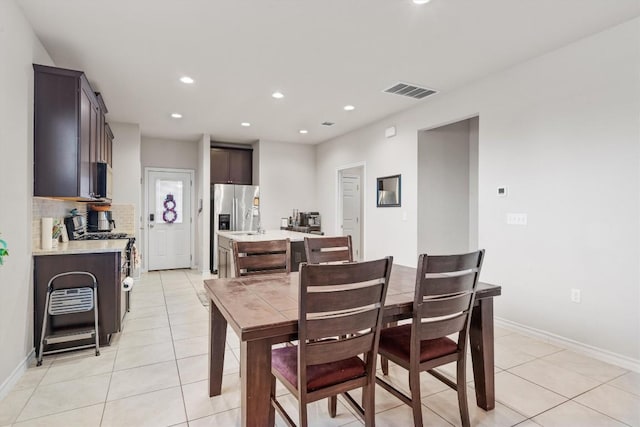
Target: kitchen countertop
<point>84,247</point>
<point>254,236</point>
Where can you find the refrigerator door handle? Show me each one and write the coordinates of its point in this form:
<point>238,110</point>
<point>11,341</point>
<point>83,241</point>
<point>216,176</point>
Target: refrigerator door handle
<point>233,214</point>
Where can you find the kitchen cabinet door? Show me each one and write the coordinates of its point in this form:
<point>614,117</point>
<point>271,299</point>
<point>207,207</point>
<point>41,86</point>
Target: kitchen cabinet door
<point>66,133</point>
<point>219,166</point>
<point>241,167</point>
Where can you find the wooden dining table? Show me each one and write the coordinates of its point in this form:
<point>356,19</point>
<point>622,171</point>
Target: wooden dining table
<point>263,311</point>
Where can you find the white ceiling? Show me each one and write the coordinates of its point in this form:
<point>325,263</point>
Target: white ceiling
<point>322,54</point>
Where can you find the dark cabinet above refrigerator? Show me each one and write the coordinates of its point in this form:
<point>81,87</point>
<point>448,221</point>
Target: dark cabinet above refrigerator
<point>232,166</point>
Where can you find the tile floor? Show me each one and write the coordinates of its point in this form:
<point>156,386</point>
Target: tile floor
<point>155,374</point>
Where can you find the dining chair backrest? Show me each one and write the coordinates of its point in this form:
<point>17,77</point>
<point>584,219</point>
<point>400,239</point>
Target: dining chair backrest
<point>340,308</point>
<point>444,295</point>
<point>261,257</point>
<point>321,250</point>
<point>343,302</point>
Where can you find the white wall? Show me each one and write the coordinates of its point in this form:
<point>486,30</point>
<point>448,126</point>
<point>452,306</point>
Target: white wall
<point>127,187</point>
<point>19,48</point>
<point>562,132</point>
<point>443,189</point>
<point>287,181</point>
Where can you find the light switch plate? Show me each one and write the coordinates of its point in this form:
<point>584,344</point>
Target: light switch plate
<point>390,132</point>
<point>517,218</point>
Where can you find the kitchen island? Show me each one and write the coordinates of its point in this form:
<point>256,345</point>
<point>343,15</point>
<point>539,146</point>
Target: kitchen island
<point>225,239</point>
<point>104,259</point>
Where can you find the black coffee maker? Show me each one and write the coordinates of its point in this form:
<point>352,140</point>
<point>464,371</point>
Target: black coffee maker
<point>100,221</point>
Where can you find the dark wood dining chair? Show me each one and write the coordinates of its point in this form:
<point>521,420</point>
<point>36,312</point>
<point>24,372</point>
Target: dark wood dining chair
<point>322,250</point>
<point>263,257</point>
<point>444,296</point>
<point>340,317</point>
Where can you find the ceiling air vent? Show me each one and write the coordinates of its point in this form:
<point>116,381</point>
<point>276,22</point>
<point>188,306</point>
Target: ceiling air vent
<point>327,123</point>
<point>412,91</point>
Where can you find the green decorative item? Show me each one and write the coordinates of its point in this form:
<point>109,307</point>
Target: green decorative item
<point>3,251</point>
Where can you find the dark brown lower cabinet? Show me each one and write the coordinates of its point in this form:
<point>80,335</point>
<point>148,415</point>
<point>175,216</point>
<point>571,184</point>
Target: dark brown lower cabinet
<point>107,269</point>
<point>298,255</point>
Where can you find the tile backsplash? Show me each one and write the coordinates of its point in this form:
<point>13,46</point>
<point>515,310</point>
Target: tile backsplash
<point>122,214</point>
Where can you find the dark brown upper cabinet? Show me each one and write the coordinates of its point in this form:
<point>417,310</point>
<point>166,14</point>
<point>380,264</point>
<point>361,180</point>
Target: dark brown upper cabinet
<point>68,134</point>
<point>231,166</point>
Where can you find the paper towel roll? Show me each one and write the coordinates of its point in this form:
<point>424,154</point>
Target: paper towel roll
<point>46,233</point>
<point>127,284</point>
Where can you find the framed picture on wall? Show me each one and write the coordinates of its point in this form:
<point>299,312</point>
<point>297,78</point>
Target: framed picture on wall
<point>389,191</point>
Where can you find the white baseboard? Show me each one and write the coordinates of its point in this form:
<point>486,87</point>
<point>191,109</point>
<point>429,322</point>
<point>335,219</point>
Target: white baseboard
<point>17,373</point>
<point>588,350</point>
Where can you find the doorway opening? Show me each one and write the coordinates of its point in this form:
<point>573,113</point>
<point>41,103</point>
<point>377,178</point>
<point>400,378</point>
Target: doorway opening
<point>448,188</point>
<point>350,206</point>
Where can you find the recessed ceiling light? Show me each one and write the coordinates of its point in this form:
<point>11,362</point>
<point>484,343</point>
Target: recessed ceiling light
<point>245,124</point>
<point>277,95</point>
<point>187,80</point>
<point>349,108</point>
<point>303,131</point>
<point>176,115</point>
<point>421,1</point>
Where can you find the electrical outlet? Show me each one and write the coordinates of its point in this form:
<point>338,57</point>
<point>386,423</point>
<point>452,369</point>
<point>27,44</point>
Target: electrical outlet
<point>517,218</point>
<point>575,295</point>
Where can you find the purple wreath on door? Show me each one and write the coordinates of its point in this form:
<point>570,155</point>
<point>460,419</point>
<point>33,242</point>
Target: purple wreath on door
<point>169,215</point>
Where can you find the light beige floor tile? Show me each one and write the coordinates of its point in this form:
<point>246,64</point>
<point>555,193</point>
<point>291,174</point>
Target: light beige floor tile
<point>179,291</point>
<point>89,416</point>
<point>402,416</point>
<point>501,332</point>
<point>507,357</point>
<point>156,299</point>
<point>155,409</point>
<point>199,404</point>
<point>143,380</point>
<point>143,355</point>
<point>144,323</point>
<point>232,339</point>
<point>12,404</point>
<point>178,284</point>
<point>196,316</point>
<point>227,419</point>
<point>445,404</point>
<point>64,396</point>
<point>384,399</point>
<point>31,377</point>
<point>555,378</point>
<point>616,403</point>
<point>138,313</point>
<point>193,369</point>
<point>79,366</point>
<point>399,377</point>
<point>527,345</point>
<point>190,330</point>
<point>574,414</point>
<point>182,299</point>
<point>524,397</point>
<point>629,382</point>
<point>145,337</point>
<point>529,423</point>
<point>585,365</point>
<point>185,308</point>
<point>191,347</point>
<point>317,413</point>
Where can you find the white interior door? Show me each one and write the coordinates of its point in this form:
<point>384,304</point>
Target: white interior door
<point>168,219</point>
<point>350,189</point>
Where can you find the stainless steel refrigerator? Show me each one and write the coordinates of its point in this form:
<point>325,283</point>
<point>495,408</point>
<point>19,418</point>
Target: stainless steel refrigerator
<point>233,208</point>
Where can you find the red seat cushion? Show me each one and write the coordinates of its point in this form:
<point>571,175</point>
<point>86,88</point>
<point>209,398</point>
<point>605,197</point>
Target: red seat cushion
<point>285,361</point>
<point>397,341</point>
